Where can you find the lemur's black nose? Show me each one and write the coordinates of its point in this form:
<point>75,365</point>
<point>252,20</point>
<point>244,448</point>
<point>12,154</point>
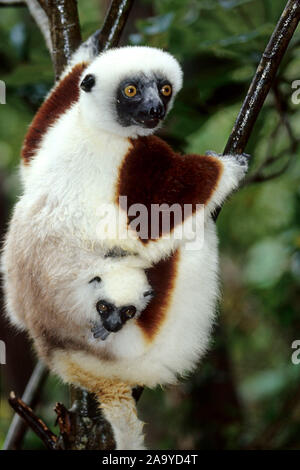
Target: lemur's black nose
<point>157,112</point>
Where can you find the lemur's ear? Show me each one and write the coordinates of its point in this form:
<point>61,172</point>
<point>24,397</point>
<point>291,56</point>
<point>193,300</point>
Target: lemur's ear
<point>88,82</point>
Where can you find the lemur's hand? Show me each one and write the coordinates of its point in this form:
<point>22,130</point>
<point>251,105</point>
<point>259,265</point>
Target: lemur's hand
<point>242,159</point>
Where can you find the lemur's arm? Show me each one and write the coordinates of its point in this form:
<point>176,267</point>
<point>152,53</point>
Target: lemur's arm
<point>153,173</point>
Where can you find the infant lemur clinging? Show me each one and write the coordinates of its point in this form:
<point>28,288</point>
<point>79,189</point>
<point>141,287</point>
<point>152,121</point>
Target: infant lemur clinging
<point>107,305</point>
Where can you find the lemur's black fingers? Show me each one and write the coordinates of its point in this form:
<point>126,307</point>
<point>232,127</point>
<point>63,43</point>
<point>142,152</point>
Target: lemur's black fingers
<point>100,332</point>
<point>247,155</point>
<point>243,159</point>
<point>211,153</point>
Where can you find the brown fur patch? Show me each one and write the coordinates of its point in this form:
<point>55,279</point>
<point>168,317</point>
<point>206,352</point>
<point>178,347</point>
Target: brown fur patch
<point>152,173</point>
<point>162,278</point>
<point>63,96</point>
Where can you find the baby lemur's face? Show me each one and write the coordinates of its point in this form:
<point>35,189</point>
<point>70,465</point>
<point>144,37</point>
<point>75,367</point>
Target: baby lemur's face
<point>121,294</point>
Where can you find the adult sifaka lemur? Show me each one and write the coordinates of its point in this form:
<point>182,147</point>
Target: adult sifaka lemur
<point>112,300</point>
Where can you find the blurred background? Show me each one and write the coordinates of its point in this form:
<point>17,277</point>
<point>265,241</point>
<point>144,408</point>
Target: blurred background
<point>246,392</point>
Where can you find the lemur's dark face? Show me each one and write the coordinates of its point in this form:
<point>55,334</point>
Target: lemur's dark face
<point>114,318</point>
<point>143,100</point>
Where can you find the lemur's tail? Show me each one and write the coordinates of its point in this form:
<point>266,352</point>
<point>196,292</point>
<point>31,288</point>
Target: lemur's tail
<point>118,407</point>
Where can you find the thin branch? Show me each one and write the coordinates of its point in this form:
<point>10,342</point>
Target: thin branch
<point>64,421</point>
<point>35,423</point>
<point>259,176</point>
<point>263,78</point>
<point>281,104</point>
<point>31,394</point>
<point>262,81</point>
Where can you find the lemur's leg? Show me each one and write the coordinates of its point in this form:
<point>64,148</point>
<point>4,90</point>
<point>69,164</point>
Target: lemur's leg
<point>115,400</point>
<point>118,406</point>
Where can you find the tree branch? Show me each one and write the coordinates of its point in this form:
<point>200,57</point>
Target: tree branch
<point>30,396</point>
<point>35,423</point>
<point>65,31</point>
<point>114,23</point>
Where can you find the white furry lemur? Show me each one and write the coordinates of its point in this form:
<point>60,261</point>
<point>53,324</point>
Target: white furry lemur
<point>111,309</point>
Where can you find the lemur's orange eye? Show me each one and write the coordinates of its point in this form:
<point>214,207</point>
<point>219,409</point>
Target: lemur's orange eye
<point>130,91</point>
<point>166,90</point>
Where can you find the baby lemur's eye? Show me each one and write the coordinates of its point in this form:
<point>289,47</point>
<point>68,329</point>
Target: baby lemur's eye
<point>166,90</point>
<point>130,91</point>
<point>129,312</point>
<point>102,307</point>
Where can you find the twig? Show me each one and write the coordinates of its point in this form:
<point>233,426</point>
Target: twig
<point>18,427</point>
<point>35,423</point>
<point>259,176</point>
<point>263,78</point>
<point>262,81</point>
<point>64,421</point>
<point>282,104</point>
